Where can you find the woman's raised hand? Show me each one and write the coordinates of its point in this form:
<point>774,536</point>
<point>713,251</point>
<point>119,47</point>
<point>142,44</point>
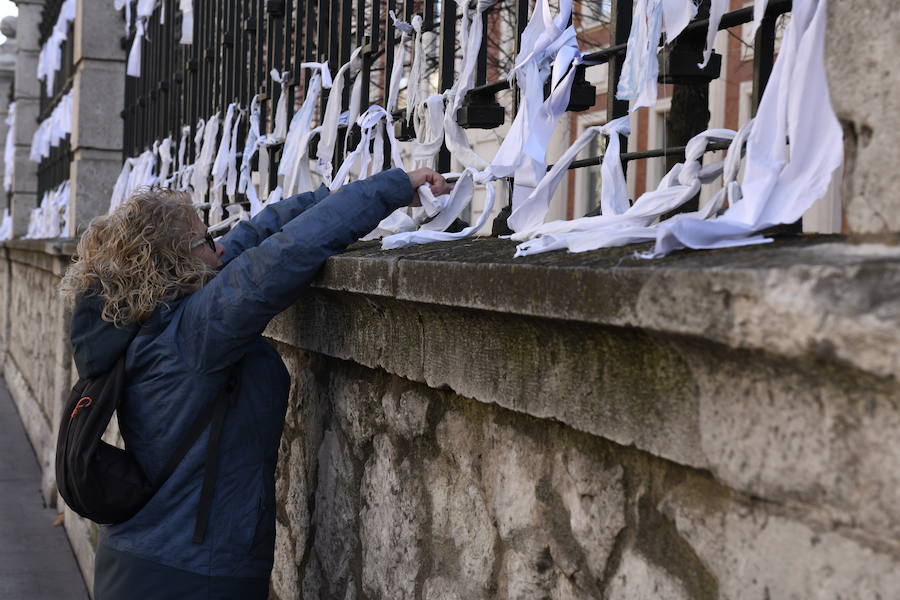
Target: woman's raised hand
<point>419,177</point>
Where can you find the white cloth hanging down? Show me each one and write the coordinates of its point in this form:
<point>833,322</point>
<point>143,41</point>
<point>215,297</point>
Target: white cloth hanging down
<point>204,160</point>
<point>165,159</point>
<point>294,166</point>
<point>330,122</point>
<point>636,223</point>
<point>651,18</point>
<point>187,21</point>
<point>252,144</point>
<point>716,10</point>
<point>471,31</point>
<point>52,130</point>
<point>279,127</point>
<point>406,30</point>
<point>50,56</point>
<point>224,156</point>
<point>548,48</point>
<point>126,4</point>
<point>6,226</point>
<point>50,219</point>
<point>781,181</point>
<point>428,122</point>
<point>120,189</point>
<point>145,9</point>
<point>9,149</point>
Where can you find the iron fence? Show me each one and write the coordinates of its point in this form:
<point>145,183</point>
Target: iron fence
<point>238,42</point>
<point>54,169</point>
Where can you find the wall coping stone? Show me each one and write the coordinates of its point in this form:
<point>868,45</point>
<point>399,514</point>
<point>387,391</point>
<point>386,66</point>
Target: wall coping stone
<point>828,297</point>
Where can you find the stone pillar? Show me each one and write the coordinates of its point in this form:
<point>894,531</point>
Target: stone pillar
<point>27,97</point>
<point>862,45</point>
<point>99,97</point>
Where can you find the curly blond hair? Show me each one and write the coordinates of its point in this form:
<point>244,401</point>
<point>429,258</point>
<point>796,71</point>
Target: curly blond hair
<point>138,257</point>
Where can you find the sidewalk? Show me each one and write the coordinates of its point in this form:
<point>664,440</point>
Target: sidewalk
<point>36,562</point>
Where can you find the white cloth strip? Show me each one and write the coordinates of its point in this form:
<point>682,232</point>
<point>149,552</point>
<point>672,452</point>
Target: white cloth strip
<point>9,149</point>
<point>294,165</point>
<point>51,219</point>
<point>460,197</point>
<point>716,10</point>
<point>252,144</point>
<point>406,31</point>
<point>279,128</point>
<point>781,182</point>
<point>651,18</point>
<point>145,9</point>
<point>126,4</point>
<point>220,168</point>
<point>52,130</point>
<point>187,21</point>
<point>50,56</point>
<point>6,226</point>
<point>204,160</point>
<point>331,120</point>
<point>635,224</point>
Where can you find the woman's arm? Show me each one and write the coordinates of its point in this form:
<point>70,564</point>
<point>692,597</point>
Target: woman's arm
<point>221,318</point>
<point>249,234</point>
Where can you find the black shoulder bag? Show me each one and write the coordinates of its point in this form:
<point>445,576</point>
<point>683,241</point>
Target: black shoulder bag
<point>106,484</point>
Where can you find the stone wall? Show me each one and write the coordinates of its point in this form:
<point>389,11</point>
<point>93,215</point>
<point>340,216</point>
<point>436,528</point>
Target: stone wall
<point>463,424</point>
<point>654,439</point>
<point>37,360</point>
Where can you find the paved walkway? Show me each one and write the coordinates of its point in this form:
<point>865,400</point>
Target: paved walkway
<point>36,561</point>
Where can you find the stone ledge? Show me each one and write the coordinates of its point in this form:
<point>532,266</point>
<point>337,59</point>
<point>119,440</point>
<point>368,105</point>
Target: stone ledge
<point>54,247</point>
<point>823,297</point>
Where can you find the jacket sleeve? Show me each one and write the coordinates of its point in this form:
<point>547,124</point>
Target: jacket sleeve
<point>220,319</point>
<point>249,234</point>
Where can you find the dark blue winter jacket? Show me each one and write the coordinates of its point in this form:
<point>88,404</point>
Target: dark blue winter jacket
<point>180,360</point>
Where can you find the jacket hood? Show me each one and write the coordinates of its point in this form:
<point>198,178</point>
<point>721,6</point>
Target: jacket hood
<point>96,344</point>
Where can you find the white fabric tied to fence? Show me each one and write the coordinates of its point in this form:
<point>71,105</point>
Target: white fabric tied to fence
<point>187,21</point>
<point>126,4</point>
<point>222,164</point>
<point>331,120</point>
<point>548,48</point>
<point>650,19</point>
<point>759,12</point>
<point>9,149</point>
<point>472,32</point>
<point>51,219</point>
<point>6,226</point>
<point>252,144</point>
<point>50,57</point>
<point>636,223</point>
<point>716,10</point>
<point>781,181</point>
<point>204,160</point>
<point>279,127</point>
<point>52,130</point>
<point>145,9</point>
<point>294,165</point>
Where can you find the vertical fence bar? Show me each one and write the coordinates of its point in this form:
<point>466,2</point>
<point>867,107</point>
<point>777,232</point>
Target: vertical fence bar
<point>447,66</point>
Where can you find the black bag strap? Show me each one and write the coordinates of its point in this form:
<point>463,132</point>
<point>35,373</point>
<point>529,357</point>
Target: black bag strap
<point>218,410</point>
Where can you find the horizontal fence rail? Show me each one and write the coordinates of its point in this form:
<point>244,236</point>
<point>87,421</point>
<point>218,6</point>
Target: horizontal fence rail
<point>237,43</point>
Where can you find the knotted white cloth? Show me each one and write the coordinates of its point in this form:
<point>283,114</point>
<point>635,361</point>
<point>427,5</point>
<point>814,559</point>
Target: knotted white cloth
<point>9,149</point>
<point>781,181</point>
<point>126,4</point>
<point>294,165</point>
<point>651,18</point>
<point>223,163</point>
<point>472,31</point>
<point>120,189</point>
<point>331,120</point>
<point>279,128</point>
<point>716,10</point>
<point>50,220</point>
<point>204,160</point>
<point>251,145</point>
<point>145,9</point>
<point>634,224</point>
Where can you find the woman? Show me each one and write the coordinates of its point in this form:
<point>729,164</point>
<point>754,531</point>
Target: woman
<point>189,314</point>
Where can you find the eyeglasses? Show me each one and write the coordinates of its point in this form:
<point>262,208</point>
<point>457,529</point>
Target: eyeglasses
<point>208,240</point>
